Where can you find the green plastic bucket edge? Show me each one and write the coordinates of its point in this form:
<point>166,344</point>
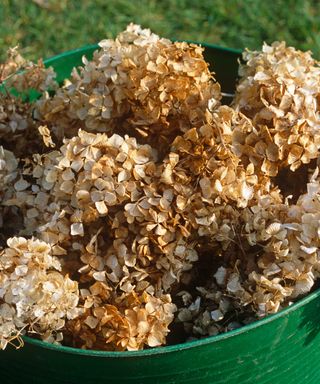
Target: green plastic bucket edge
<point>179,347</point>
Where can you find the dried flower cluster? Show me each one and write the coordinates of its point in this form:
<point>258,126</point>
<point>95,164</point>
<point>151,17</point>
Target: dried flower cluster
<point>130,197</point>
<point>18,130</point>
<point>9,218</point>
<point>279,90</point>
<point>139,84</point>
<point>33,291</point>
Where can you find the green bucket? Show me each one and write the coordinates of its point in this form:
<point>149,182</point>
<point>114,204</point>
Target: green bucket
<point>280,349</point>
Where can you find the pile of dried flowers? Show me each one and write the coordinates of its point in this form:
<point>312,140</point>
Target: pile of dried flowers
<point>131,199</point>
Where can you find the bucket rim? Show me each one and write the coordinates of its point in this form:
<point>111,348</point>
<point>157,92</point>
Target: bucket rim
<point>177,347</point>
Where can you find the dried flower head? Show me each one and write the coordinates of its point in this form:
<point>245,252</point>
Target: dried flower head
<point>147,86</point>
<point>14,62</point>
<point>18,129</point>
<point>34,295</point>
<point>130,322</point>
<point>9,176</point>
<point>279,90</point>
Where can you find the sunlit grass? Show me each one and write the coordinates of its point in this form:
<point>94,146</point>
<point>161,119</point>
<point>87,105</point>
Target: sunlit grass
<point>66,24</point>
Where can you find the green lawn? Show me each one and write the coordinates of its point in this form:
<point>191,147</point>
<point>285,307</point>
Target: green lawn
<point>58,25</point>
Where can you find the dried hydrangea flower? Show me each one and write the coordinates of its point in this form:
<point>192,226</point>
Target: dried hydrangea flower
<point>279,90</point>
<point>274,262</point>
<point>18,130</point>
<point>10,220</point>
<point>34,295</point>
<point>93,175</point>
<point>210,311</point>
<point>148,86</point>
<point>35,76</point>
<point>24,75</point>
<point>210,182</point>
<point>130,322</point>
<point>15,118</point>
<point>14,62</point>
<point>77,202</point>
<point>279,243</point>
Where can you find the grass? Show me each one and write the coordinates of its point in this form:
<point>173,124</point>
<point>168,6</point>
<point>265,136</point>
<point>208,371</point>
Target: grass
<point>57,25</point>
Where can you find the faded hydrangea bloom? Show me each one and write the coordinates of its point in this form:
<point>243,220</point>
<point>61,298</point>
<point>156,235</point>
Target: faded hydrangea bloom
<point>279,90</point>
<point>34,295</point>
<point>129,322</point>
<point>148,86</point>
<point>9,176</point>
<point>18,129</point>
